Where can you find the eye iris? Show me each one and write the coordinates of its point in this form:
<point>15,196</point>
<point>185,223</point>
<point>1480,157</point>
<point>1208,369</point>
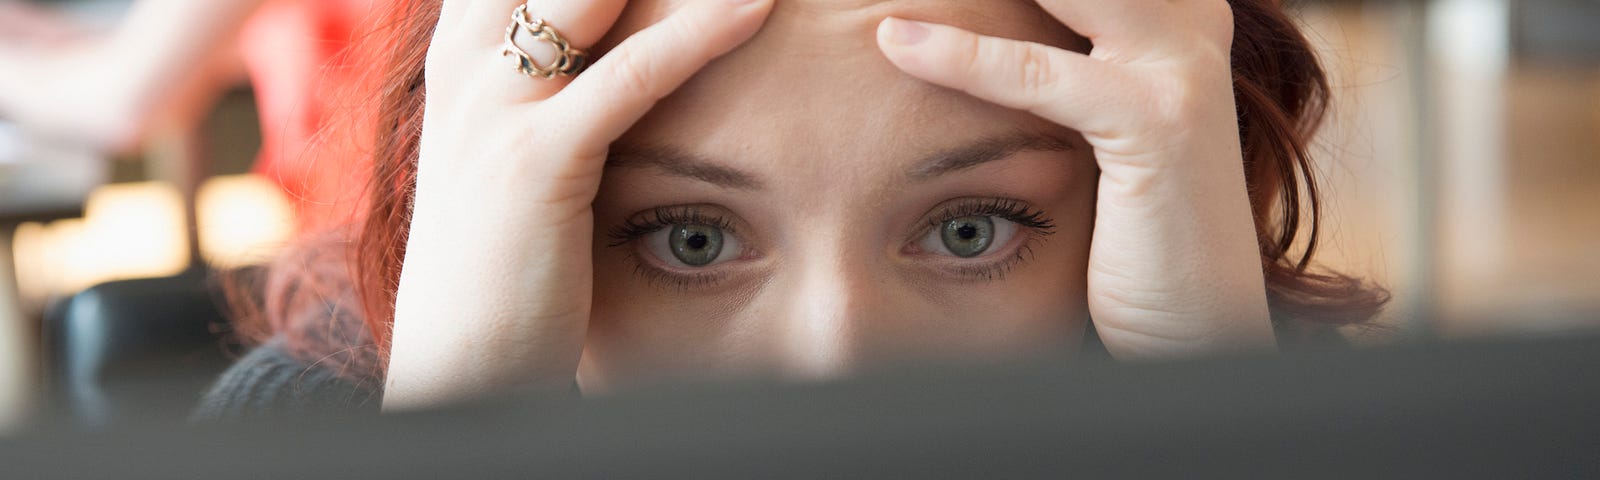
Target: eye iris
<point>696,245</point>
<point>968,237</point>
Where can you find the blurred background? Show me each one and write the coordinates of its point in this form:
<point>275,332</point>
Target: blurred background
<point>1459,162</point>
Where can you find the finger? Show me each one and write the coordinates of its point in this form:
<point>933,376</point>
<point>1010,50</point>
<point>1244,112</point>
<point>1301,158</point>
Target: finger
<point>1097,19</point>
<point>1062,86</point>
<point>608,99</point>
<point>581,23</point>
<point>1130,26</point>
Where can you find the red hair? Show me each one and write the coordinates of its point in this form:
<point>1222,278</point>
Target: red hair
<point>1281,90</point>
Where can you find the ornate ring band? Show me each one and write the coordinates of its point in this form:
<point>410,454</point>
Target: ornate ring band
<point>569,61</point>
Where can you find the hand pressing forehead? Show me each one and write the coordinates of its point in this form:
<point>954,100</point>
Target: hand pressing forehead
<point>813,92</point>
<point>801,207</point>
<point>845,27</point>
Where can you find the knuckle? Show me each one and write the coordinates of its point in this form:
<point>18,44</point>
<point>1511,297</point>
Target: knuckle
<point>631,74</point>
<point>638,71</point>
<point>1037,71</point>
<point>1028,72</point>
<point>975,54</point>
<point>683,30</point>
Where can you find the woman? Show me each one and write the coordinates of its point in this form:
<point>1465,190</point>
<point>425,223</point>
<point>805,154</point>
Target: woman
<point>812,187</point>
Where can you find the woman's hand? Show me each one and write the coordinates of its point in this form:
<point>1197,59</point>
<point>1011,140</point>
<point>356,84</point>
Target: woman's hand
<point>1174,266</point>
<point>498,278</point>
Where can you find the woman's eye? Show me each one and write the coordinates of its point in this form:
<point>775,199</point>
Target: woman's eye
<point>969,236</point>
<point>693,245</point>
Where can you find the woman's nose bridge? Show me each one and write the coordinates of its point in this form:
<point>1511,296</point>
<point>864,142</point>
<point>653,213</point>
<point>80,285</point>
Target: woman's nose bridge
<point>822,325</point>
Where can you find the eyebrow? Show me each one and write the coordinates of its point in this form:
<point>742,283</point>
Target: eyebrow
<point>678,163</point>
<point>984,151</point>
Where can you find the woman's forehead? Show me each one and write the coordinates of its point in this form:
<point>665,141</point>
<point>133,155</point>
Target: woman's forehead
<point>818,63</point>
<point>801,20</point>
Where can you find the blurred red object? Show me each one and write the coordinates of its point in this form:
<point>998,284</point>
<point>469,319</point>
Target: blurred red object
<point>305,60</point>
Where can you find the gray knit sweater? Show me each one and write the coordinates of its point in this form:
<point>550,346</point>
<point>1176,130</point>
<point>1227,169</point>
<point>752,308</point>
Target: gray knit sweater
<point>270,382</point>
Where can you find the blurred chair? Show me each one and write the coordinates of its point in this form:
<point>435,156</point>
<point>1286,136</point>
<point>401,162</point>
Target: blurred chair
<point>136,350</point>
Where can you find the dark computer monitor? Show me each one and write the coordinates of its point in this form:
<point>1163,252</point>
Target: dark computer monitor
<point>1500,409</point>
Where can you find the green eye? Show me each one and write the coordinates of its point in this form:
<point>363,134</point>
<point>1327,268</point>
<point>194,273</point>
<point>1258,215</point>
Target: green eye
<point>695,245</point>
<point>967,237</point>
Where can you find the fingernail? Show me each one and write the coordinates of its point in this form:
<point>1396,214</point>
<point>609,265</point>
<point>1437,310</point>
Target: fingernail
<point>907,32</point>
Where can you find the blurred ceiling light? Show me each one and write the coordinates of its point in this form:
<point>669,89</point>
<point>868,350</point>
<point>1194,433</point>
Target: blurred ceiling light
<point>134,230</point>
<point>40,254</point>
<point>129,230</point>
<point>243,220</point>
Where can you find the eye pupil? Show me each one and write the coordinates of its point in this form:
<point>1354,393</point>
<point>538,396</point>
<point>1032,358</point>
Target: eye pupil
<point>968,237</point>
<point>695,245</point>
<point>697,241</point>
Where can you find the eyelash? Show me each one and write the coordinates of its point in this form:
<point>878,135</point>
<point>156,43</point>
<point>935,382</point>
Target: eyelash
<point>1034,223</point>
<point>662,217</point>
<point>640,226</point>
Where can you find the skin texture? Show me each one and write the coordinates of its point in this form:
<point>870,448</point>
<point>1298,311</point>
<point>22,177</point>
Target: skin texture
<point>831,289</point>
<point>817,129</point>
